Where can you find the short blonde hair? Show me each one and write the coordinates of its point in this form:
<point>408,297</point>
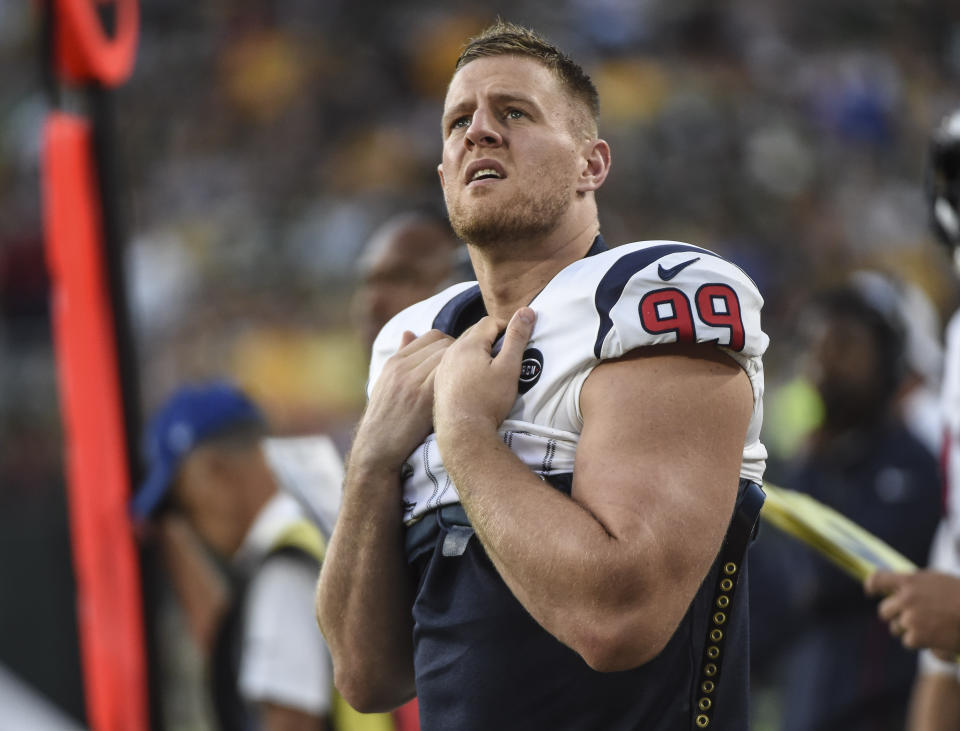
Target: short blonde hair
<point>506,39</point>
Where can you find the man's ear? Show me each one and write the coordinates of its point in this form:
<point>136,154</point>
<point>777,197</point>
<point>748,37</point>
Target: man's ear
<point>440,173</point>
<point>595,165</point>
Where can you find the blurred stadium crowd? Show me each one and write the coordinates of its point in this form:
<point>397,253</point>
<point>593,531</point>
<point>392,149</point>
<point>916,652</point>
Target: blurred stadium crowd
<point>259,144</point>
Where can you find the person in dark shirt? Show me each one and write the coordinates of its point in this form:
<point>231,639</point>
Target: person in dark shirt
<point>839,669</point>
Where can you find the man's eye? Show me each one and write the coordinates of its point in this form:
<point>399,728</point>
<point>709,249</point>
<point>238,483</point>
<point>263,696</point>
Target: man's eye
<point>515,114</point>
<point>460,122</point>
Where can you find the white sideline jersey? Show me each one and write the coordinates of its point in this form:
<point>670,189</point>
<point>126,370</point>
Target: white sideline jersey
<point>945,552</point>
<point>597,308</point>
<point>950,403</point>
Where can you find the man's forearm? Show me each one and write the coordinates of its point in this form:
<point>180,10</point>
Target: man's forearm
<point>559,560</point>
<point>364,595</point>
<point>611,570</point>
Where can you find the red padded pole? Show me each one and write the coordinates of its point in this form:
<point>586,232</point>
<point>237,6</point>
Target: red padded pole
<point>109,605</point>
<point>84,49</point>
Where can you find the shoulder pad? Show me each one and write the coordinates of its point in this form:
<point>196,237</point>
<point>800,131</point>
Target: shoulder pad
<point>668,292</point>
<point>418,319</point>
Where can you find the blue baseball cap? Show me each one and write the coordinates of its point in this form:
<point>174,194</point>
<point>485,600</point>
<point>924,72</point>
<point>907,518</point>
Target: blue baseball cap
<point>192,414</point>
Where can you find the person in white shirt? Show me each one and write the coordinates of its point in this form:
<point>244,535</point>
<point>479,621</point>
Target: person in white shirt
<point>265,507</point>
<point>923,608</point>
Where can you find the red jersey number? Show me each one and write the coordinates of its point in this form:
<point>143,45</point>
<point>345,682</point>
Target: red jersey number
<point>669,310</point>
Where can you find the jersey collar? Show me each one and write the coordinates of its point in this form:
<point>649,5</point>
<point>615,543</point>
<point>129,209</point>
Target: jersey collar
<point>467,307</point>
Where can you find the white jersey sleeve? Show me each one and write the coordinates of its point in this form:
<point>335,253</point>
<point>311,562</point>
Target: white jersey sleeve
<point>945,552</point>
<point>670,292</point>
<point>950,406</point>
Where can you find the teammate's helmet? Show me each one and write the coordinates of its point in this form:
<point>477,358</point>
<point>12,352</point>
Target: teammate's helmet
<point>943,183</point>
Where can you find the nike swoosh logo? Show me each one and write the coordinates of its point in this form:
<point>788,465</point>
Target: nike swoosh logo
<point>667,274</point>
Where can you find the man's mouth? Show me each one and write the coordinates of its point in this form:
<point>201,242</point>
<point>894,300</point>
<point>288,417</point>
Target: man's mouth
<point>486,174</point>
<point>481,170</point>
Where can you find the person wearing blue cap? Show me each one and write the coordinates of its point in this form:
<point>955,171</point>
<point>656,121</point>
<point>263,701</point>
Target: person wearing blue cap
<point>265,507</point>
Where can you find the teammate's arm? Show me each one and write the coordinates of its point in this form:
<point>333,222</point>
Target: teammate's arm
<point>274,717</point>
<point>365,592</point>
<point>611,571</point>
<point>922,608</point>
<point>935,703</point>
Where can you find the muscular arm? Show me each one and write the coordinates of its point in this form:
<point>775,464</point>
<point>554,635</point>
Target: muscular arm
<point>611,571</point>
<point>365,593</point>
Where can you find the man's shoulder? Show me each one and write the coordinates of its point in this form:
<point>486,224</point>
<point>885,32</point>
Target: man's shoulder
<point>642,265</point>
<point>654,292</point>
<point>274,519</point>
<point>287,570</point>
<point>419,317</point>
<point>310,469</point>
<point>660,261</point>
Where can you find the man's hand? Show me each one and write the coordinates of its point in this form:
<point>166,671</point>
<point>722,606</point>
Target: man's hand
<point>474,387</point>
<point>922,608</point>
<point>400,412</point>
<point>201,588</point>
<point>365,590</point>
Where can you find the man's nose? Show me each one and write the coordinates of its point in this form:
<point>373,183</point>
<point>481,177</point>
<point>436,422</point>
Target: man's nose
<point>483,130</point>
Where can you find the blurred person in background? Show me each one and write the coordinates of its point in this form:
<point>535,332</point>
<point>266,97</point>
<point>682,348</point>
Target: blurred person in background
<point>836,666</point>
<point>263,508</point>
<point>918,396</point>
<point>530,578</point>
<point>409,257</point>
<point>923,609</point>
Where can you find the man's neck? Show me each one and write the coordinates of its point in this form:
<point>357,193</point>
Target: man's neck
<point>511,276</point>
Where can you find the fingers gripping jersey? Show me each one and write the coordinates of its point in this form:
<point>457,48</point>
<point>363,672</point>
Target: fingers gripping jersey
<point>598,308</point>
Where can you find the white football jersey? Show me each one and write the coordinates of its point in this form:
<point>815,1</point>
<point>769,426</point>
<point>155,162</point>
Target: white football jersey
<point>597,308</point>
<point>945,552</point>
<point>950,403</point>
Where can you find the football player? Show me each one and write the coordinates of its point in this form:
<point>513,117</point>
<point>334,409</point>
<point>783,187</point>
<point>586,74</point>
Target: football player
<point>924,608</point>
<point>549,498</point>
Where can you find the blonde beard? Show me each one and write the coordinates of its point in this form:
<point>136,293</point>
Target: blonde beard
<point>522,219</point>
